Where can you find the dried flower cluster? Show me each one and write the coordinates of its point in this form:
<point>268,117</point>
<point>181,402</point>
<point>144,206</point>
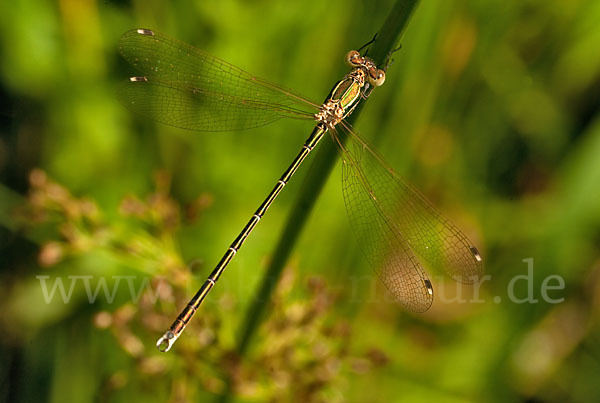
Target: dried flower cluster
<point>303,351</point>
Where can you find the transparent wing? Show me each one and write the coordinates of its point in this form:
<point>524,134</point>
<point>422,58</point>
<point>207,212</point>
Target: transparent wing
<point>404,209</point>
<point>379,237</point>
<point>185,87</point>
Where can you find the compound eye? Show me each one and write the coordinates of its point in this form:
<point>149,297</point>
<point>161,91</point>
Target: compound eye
<point>353,58</point>
<point>376,77</point>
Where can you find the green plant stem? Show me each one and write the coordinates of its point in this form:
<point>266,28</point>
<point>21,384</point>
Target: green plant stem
<point>387,38</point>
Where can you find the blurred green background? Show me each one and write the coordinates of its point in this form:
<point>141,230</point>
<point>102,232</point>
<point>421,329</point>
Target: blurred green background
<point>490,108</point>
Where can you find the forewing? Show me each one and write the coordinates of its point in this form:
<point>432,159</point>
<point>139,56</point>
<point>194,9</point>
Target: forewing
<point>426,231</point>
<point>379,237</point>
<point>185,87</point>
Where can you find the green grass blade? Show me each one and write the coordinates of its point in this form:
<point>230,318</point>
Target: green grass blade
<point>387,38</point>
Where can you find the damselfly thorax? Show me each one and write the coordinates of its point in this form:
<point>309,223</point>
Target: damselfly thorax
<point>347,93</point>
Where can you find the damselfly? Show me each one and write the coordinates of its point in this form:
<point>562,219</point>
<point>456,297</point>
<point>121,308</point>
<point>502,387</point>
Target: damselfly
<point>187,88</point>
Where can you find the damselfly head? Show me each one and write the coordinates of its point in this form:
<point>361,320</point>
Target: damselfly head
<point>376,76</point>
<point>354,59</point>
